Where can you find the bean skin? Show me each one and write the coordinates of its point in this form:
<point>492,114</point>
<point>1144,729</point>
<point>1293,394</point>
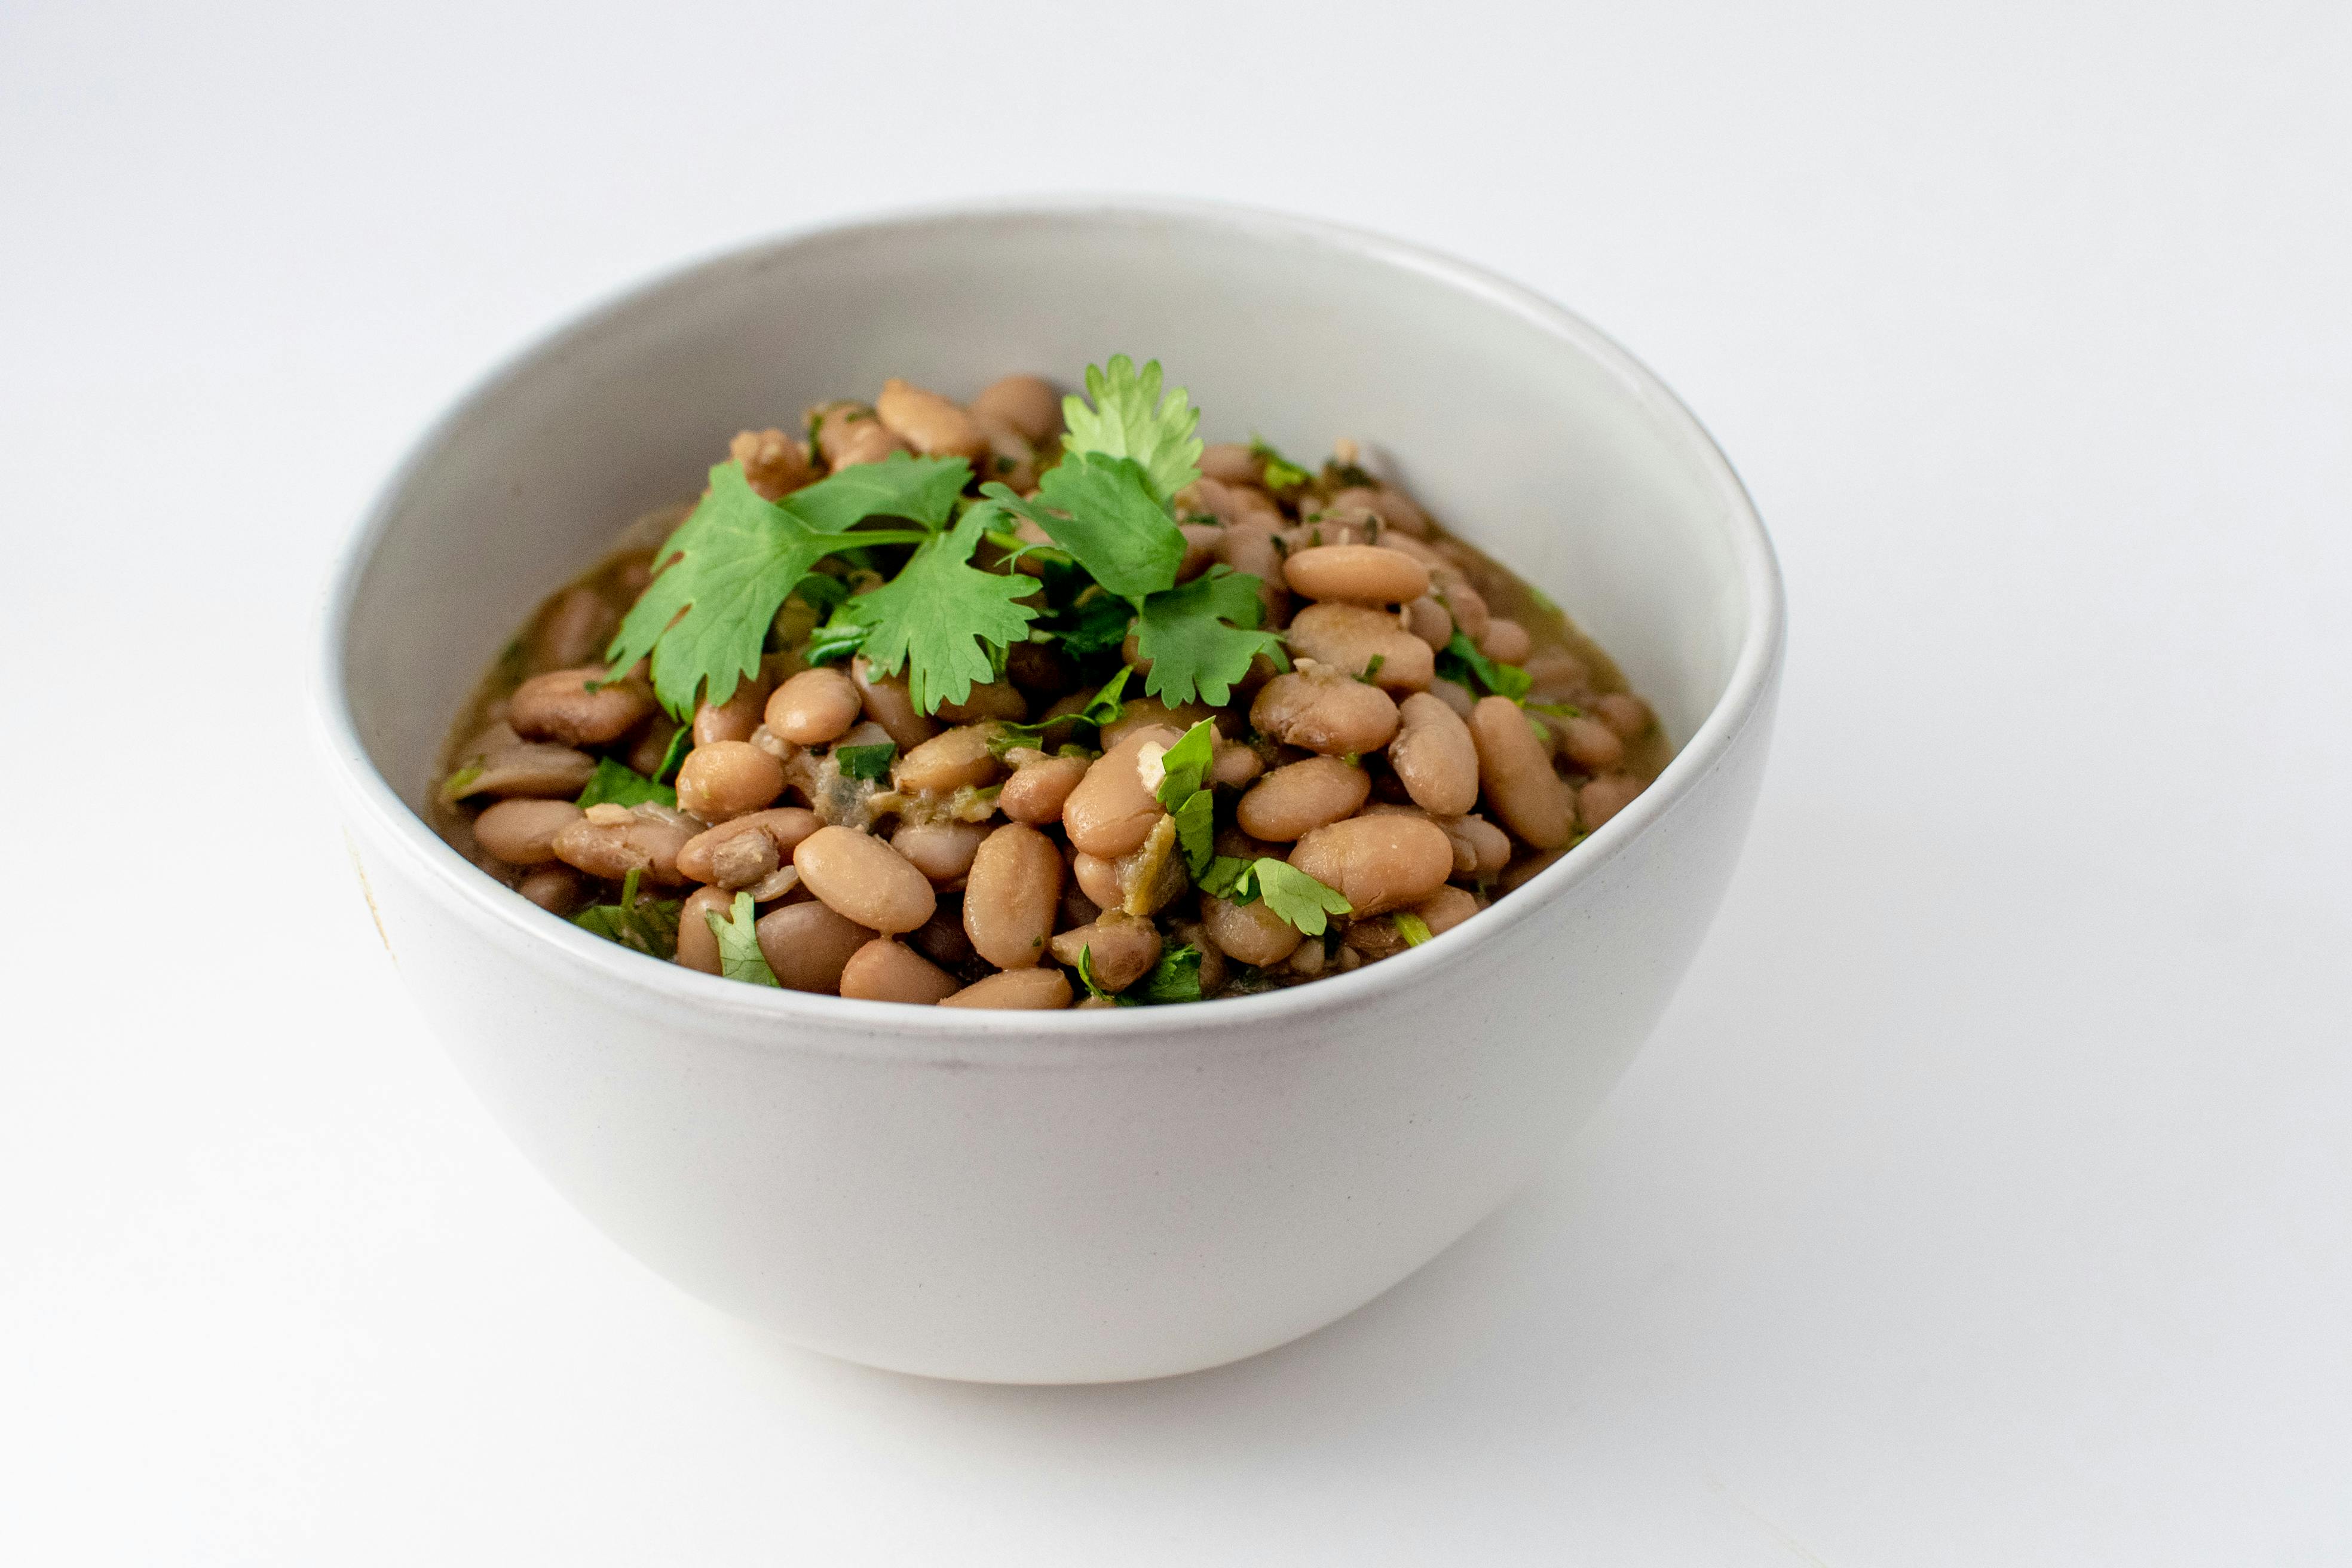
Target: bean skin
<point>1590,744</point>
<point>1348,637</point>
<point>560,707</point>
<point>1515,772</point>
<point>698,945</point>
<point>1558,676</point>
<point>814,708</point>
<point>1147,712</point>
<point>1111,811</point>
<point>1233,764</point>
<point>887,704</point>
<point>956,760</point>
<point>1249,933</point>
<point>1464,603</point>
<point>1012,895</point>
<point>887,971</point>
<point>1377,863</point>
<point>942,851</point>
<point>1454,695</point>
<point>612,849</point>
<point>1037,792</point>
<point>929,423</point>
<point>1027,403</point>
<point>1434,757</point>
<point>1623,712</point>
<point>1604,797</point>
<point>728,778</point>
<point>1295,799</point>
<point>783,826</point>
<point>807,944</point>
<point>1249,548</point>
<point>1325,713</point>
<point>1035,990</point>
<point>1356,573</point>
<point>847,434</point>
<point>522,832</point>
<point>1119,949</point>
<point>864,880</point>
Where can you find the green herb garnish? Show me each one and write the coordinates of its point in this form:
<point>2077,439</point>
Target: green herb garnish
<point>1183,790</point>
<point>1301,900</point>
<point>673,754</point>
<point>615,784</point>
<point>865,762</point>
<point>1460,662</point>
<point>1281,474</point>
<point>1201,638</point>
<point>739,957</point>
<point>460,784</point>
<point>1128,420</point>
<point>1410,926</point>
<point>645,926</point>
<point>1086,975</point>
<point>940,616</point>
<point>1175,978</point>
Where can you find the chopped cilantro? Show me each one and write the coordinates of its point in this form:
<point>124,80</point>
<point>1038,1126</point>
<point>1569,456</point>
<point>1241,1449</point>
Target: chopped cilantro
<point>1372,670</point>
<point>1410,926</point>
<point>1086,975</point>
<point>646,926</point>
<point>673,754</point>
<point>1104,707</point>
<point>836,640</point>
<point>739,957</point>
<point>1200,636</point>
<point>730,567</point>
<point>460,784</point>
<point>865,762</point>
<point>1460,661</point>
<point>1186,763</point>
<point>1091,624</point>
<point>621,785</point>
<point>1175,978</point>
<point>1128,420</point>
<point>1103,512</point>
<point>1224,876</point>
<point>1288,892</point>
<point>1555,710</point>
<point>940,616</point>
<point>1281,474</point>
<point>1196,829</point>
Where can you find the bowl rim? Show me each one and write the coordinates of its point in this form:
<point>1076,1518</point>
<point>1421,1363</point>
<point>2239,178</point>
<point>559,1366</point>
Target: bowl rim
<point>552,942</point>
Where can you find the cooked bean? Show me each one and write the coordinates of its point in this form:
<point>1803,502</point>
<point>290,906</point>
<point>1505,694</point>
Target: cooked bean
<point>1356,573</point>
<point>1037,670</point>
<point>1516,774</point>
<point>958,759</point>
<point>940,939</point>
<point>1325,713</point>
<point>887,704</point>
<point>1231,463</point>
<point>1394,508</point>
<point>1037,792</point>
<point>1454,695</point>
<point>1558,676</point>
<point>1349,638</point>
<point>942,851</point>
<point>1148,712</point>
<point>533,771</point>
<point>1527,868</point>
<point>1119,949</point>
<point>996,700</point>
<point>1464,603</point>
<point>1097,878</point>
<point>1604,797</point>
<point>1249,933</point>
<point>1446,908</point>
<point>611,847</point>
<point>733,720</point>
<point>567,707</point>
<point>1200,547</point>
<point>1626,713</point>
<point>1010,460</point>
<point>744,860</point>
<point>1434,756</point>
<point>728,778</point>
<point>864,880</point>
<point>1294,800</point>
<point>650,747</point>
<point>1233,764</point>
<point>1377,863</point>
<point>1480,849</point>
<point>783,826</point>
<point>773,463</point>
<point>814,708</point>
<point>1590,745</point>
<point>573,630</point>
<point>698,944</point>
<point>522,832</point>
<point>1192,934</point>
<point>887,971</point>
<point>1014,893</point>
<point>1036,990</point>
<point>1307,960</point>
<point>1427,620</point>
<point>1249,547</point>
<point>1112,811</point>
<point>928,422</point>
<point>1027,403</point>
<point>1230,504</point>
<point>1506,641</point>
<point>807,945</point>
<point>555,888</point>
<point>847,434</point>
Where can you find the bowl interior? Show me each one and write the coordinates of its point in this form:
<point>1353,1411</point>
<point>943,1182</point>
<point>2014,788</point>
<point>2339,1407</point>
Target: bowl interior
<point>1517,425</point>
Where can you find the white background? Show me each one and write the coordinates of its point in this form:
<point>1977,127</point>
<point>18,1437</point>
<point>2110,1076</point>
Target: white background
<point>1984,1197</point>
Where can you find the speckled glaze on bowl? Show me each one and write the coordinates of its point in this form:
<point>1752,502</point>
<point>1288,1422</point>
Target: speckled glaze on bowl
<point>1080,1196</point>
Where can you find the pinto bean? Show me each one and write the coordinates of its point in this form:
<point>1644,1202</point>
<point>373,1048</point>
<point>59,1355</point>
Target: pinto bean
<point>1231,463</point>
<point>735,719</point>
<point>1463,602</point>
<point>1249,547</point>
<point>864,880</point>
<point>1590,745</point>
<point>1356,573</point>
<point>958,759</point>
<point>929,423</point>
<point>744,860</point>
<point>1235,764</point>
<point>1527,868</point>
<point>887,971</point>
<point>1112,810</point>
<point>940,939</point>
<point>1249,933</point>
<point>1098,879</point>
<point>698,944</point>
<point>1011,460</point>
<point>1037,990</point>
<point>522,832</point>
<point>1394,508</point>
<point>1506,641</point>
<point>1480,849</point>
<point>1446,908</point>
<point>849,433</point>
<point>773,463</point>
<point>1626,713</point>
<point>555,888</point>
<point>807,945</point>
<point>1014,893</point>
<point>1295,799</point>
<point>996,700</point>
<point>814,708</point>
<point>1037,792</point>
<point>1434,756</point>
<point>887,704</point>
<point>560,706</point>
<point>1602,798</point>
<point>1558,676</point>
<point>728,778</point>
<point>1516,774</point>
<point>942,851</point>
<point>1454,695</point>
<point>573,629</point>
<point>1119,949</point>
<point>1325,713</point>
<point>1426,619</point>
<point>1200,547</point>
<point>1230,503</point>
<point>783,826</point>
<point>1027,403</point>
<point>612,846</point>
<point>1377,863</point>
<point>1348,637</point>
<point>1150,712</point>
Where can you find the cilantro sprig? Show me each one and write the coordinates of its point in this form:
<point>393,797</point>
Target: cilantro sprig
<point>646,925</point>
<point>617,784</point>
<point>940,616</point>
<point>1183,790</point>
<point>739,957</point>
<point>1460,662</point>
<point>1304,903</point>
<point>1129,420</point>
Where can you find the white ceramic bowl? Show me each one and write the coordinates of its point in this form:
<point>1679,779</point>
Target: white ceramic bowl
<point>1078,1197</point>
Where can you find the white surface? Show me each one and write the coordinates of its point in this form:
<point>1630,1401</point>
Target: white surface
<point>1984,1197</point>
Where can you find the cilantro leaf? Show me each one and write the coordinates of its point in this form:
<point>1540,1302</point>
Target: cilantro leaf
<point>681,743</point>
<point>1196,829</point>
<point>1175,978</point>
<point>1128,420</point>
<point>940,616</point>
<point>865,762</point>
<point>1185,764</point>
<point>1200,636</point>
<point>1223,879</point>
<point>1460,662</point>
<point>618,785</point>
<point>1103,512</point>
<point>739,957</point>
<point>1086,975</point>
<point>843,635</point>
<point>646,926</point>
<point>1103,708</point>
<point>734,560</point>
<point>1281,473</point>
<point>1410,926</point>
<point>1091,624</point>
<point>1296,897</point>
